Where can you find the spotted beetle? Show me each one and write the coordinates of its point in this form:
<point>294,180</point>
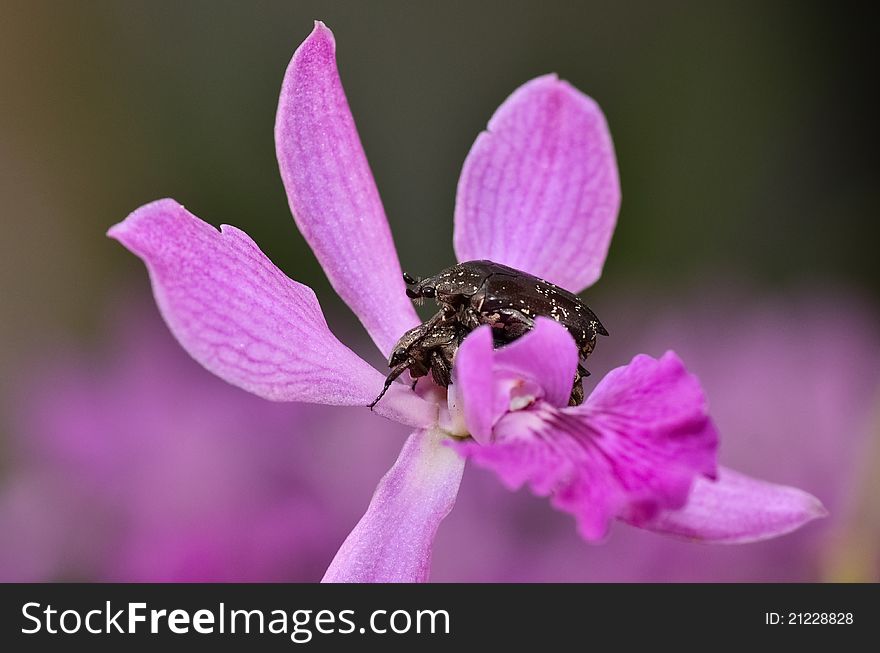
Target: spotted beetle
<point>475,293</point>
<point>508,300</point>
<point>431,346</point>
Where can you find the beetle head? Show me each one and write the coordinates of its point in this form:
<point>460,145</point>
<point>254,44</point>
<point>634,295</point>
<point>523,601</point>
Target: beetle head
<point>401,351</point>
<point>425,290</point>
<point>418,289</point>
<point>397,356</point>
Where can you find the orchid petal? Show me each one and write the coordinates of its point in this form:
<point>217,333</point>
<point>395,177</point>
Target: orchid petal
<point>632,450</point>
<point>547,355</point>
<point>245,321</point>
<point>333,195</point>
<point>658,398</point>
<point>392,542</point>
<point>474,383</point>
<point>539,190</point>
<point>540,364</point>
<point>736,509</point>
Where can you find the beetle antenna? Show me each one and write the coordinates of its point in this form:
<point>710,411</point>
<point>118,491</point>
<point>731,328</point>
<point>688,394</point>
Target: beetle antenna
<point>396,371</point>
<point>388,383</point>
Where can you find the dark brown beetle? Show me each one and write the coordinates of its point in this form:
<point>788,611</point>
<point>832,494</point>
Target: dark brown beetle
<point>425,348</point>
<point>475,293</point>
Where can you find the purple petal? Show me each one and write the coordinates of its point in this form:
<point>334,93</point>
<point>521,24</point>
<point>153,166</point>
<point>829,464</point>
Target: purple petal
<point>658,399</point>
<point>632,450</point>
<point>474,383</point>
<point>539,365</point>
<point>737,509</point>
<point>392,541</point>
<point>243,319</point>
<point>539,189</point>
<point>547,355</point>
<point>332,193</point>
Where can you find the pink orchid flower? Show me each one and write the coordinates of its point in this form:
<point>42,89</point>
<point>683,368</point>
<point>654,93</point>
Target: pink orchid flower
<point>539,192</point>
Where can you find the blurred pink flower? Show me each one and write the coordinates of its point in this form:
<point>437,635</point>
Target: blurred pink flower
<point>138,465</point>
<point>539,191</point>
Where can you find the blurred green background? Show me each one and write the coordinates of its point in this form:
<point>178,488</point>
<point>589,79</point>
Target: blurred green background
<point>745,132</point>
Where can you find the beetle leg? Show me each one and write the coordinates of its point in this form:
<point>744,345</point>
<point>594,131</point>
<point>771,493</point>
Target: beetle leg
<point>449,313</point>
<point>439,317</point>
<point>441,369</point>
<point>577,393</point>
<point>470,318</point>
<point>588,347</point>
<point>395,372</point>
<point>515,322</point>
<point>478,298</point>
<point>577,390</point>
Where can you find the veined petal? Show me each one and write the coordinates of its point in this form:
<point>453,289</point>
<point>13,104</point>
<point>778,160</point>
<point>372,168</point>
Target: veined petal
<point>539,190</point>
<point>392,541</point>
<point>632,450</point>
<point>243,319</point>
<point>659,402</point>
<point>333,195</point>
<point>736,509</point>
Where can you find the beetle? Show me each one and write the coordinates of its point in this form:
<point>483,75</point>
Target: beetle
<point>508,300</point>
<point>429,347</point>
<point>475,293</point>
